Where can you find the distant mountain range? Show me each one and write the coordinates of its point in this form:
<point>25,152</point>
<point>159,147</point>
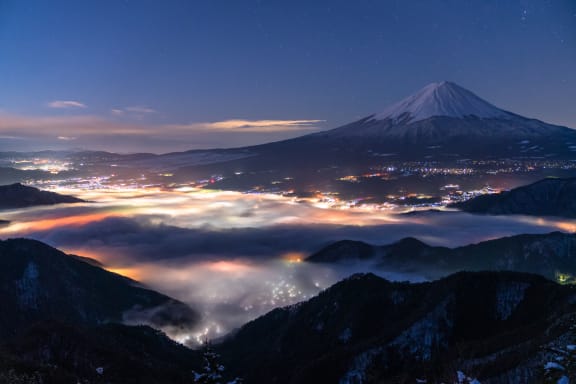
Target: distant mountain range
<point>552,255</point>
<point>549,197</point>
<point>20,196</point>
<point>491,326</point>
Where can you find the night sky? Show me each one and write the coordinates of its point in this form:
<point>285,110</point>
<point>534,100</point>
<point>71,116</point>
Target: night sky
<point>167,75</point>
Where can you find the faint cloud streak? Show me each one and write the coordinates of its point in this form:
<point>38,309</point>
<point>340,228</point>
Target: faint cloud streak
<point>64,126</point>
<point>263,125</point>
<point>66,104</point>
<point>138,109</point>
<point>133,110</point>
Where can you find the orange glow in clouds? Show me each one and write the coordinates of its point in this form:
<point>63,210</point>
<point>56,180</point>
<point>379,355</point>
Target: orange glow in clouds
<point>566,226</point>
<point>46,224</point>
<point>228,266</point>
<point>293,257</point>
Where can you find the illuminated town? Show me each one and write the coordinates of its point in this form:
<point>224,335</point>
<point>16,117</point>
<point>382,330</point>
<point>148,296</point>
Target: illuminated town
<point>453,183</point>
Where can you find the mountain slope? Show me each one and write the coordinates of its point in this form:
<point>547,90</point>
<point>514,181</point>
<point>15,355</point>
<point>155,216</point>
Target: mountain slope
<point>58,353</point>
<point>39,283</point>
<point>550,255</point>
<point>20,196</point>
<point>60,322</point>
<point>549,197</point>
<point>368,330</point>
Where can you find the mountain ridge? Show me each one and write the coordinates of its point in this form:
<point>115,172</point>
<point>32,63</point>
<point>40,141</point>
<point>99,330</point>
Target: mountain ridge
<point>65,319</point>
<point>550,255</point>
<point>547,197</point>
<point>38,282</point>
<point>18,195</point>
<point>365,329</point>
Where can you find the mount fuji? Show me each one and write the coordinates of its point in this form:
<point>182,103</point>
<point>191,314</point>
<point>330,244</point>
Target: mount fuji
<point>441,121</point>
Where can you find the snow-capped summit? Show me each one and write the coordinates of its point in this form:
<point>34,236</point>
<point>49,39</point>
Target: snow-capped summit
<point>441,99</point>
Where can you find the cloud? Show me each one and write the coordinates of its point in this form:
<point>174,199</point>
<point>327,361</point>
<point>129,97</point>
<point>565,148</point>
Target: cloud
<point>64,104</point>
<point>126,241</point>
<point>231,225</point>
<point>134,111</point>
<point>89,124</point>
<point>262,125</point>
<point>65,126</point>
<point>253,125</point>
<point>66,138</point>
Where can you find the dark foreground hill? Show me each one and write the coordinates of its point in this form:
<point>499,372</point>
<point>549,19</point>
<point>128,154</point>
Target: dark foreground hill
<point>552,255</point>
<point>549,197</point>
<point>60,322</point>
<point>365,329</point>
<point>20,196</point>
<point>38,282</point>
<point>52,352</point>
